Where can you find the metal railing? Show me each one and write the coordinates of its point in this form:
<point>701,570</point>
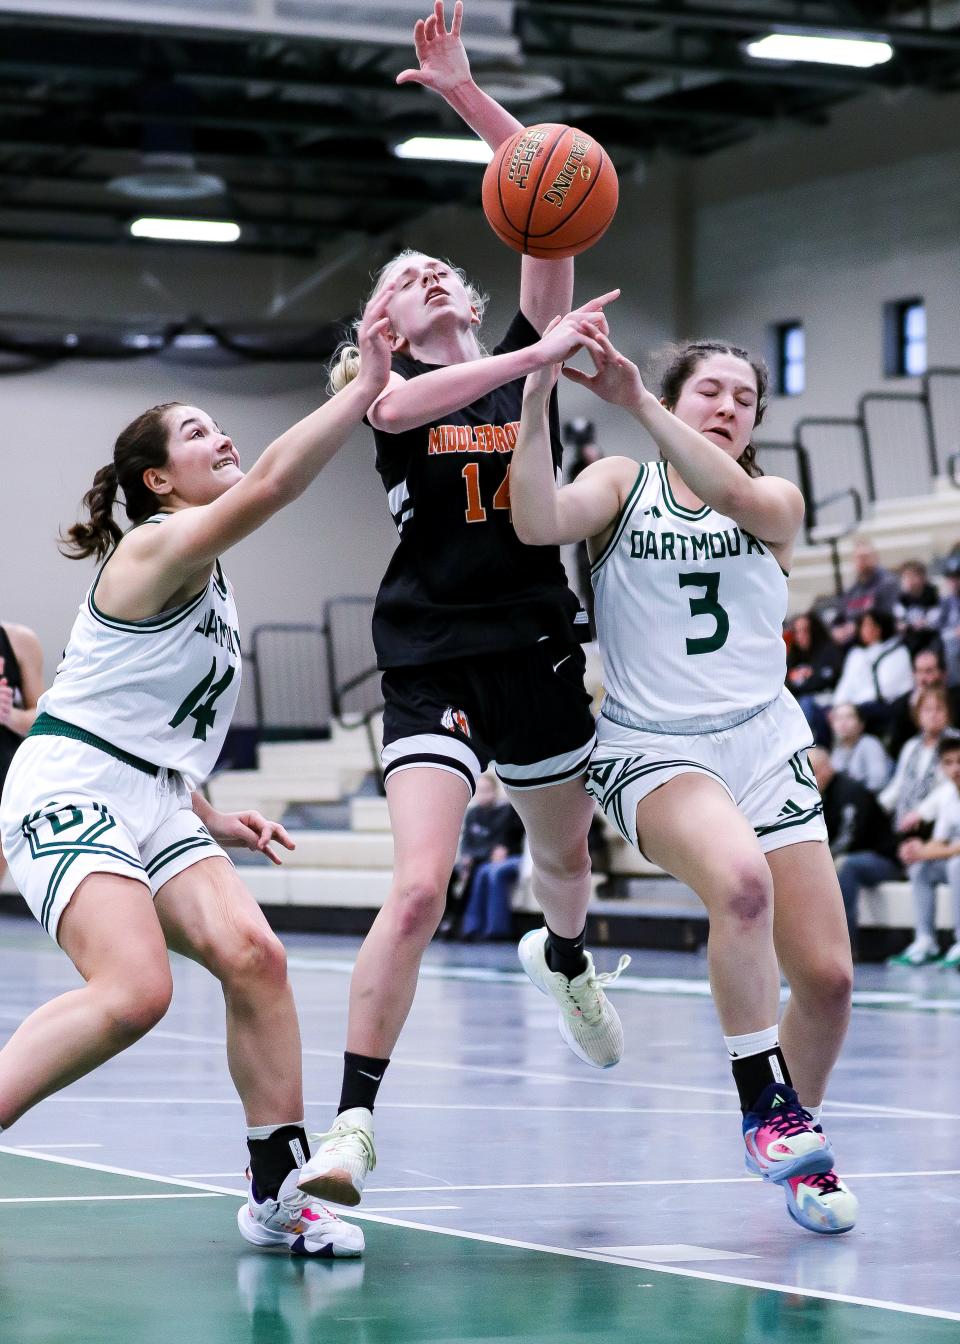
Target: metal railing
<point>873,452</point>
<point>832,534</point>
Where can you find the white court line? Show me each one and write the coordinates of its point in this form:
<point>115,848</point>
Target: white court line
<point>867,1108</point>
<point>445,1188</point>
<point>837,1111</point>
<point>635,984</point>
<point>114,1199</point>
<point>57,1145</point>
<point>674,1270</point>
<point>409,1208</point>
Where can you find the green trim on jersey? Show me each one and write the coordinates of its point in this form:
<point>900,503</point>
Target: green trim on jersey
<point>622,517</point>
<point>150,624</point>
<point>690,515</point>
<point>219,579</point>
<point>46,725</point>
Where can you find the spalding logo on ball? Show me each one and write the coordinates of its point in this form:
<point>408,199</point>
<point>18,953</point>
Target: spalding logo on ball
<point>550,191</point>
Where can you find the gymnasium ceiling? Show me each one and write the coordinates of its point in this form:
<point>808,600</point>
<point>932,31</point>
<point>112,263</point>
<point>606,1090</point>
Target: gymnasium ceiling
<point>291,103</point>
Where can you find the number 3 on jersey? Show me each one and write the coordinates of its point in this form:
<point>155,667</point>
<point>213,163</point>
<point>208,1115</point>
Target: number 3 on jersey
<point>707,606</point>
<point>475,512</point>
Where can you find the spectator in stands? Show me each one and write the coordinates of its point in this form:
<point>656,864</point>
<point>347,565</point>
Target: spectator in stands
<point>929,673</point>
<point>477,838</point>
<point>949,619</point>
<point>917,608</point>
<point>21,685</point>
<point>876,671</point>
<point>874,588</point>
<point>936,860</point>
<point>497,846</point>
<point>858,830</point>
<point>814,662</point>
<point>857,753</point>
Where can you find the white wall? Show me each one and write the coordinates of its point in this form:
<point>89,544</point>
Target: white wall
<point>825,225</point>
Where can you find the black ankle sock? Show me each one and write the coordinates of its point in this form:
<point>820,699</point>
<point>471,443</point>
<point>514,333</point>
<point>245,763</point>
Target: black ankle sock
<point>273,1158</point>
<point>566,954</point>
<point>362,1075</point>
<point>753,1073</point>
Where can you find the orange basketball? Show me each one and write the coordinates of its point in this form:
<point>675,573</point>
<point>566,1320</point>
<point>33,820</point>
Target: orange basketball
<point>550,191</point>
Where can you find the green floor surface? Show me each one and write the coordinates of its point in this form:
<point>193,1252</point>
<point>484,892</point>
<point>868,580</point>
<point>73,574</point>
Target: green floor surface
<point>174,1271</point>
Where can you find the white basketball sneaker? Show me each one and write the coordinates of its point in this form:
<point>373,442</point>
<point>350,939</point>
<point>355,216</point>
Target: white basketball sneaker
<point>303,1225</point>
<point>338,1169</point>
<point>589,1023</point>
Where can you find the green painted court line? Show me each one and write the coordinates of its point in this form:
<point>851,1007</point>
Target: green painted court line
<point>181,1272</point>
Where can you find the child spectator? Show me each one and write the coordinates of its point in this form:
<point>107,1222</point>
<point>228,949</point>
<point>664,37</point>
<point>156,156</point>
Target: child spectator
<point>857,753</point>
<point>936,860</point>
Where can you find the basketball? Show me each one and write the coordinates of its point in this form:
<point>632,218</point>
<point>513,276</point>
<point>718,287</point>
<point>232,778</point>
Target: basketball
<point>550,191</point>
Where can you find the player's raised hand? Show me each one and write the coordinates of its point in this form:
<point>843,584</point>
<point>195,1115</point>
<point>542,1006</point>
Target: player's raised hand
<point>442,56</point>
<point>578,330</point>
<point>616,380</point>
<point>373,339</point>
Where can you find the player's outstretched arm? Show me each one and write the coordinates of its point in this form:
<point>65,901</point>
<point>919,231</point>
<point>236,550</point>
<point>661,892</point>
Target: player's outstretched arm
<point>405,404</point>
<point>546,287</point>
<point>769,507</point>
<point>194,537</point>
<point>544,514</point>
<point>443,66</point>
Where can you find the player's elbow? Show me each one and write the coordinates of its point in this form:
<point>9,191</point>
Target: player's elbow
<point>532,531</point>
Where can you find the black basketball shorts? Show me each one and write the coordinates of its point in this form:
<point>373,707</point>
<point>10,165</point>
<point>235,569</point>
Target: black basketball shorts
<point>525,710</point>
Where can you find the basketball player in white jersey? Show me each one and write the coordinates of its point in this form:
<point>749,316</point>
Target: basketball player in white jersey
<point>701,757</point>
<point>100,810</point>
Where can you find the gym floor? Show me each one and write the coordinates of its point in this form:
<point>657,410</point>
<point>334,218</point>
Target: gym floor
<point>519,1195</point>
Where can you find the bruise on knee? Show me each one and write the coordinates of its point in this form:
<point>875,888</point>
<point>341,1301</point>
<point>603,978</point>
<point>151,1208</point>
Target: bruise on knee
<point>750,899</point>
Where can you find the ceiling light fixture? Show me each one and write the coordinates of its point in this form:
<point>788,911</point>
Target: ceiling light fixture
<point>450,148</point>
<point>825,49</point>
<point>186,230</point>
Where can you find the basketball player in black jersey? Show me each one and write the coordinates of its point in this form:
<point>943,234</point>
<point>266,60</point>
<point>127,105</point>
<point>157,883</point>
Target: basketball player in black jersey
<point>479,638</point>
<point>21,682</point>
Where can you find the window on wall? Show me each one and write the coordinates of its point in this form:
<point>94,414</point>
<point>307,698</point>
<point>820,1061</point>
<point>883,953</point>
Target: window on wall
<point>790,358</point>
<point>905,338</point>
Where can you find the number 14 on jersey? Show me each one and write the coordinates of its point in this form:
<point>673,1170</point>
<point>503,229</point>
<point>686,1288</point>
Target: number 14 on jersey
<point>475,511</point>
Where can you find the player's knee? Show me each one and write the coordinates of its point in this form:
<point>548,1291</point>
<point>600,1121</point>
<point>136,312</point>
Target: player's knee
<point>829,984</point>
<point>564,861</point>
<point>254,955</point>
<point>749,892</point>
<point>420,904</point>
<point>136,1005</point>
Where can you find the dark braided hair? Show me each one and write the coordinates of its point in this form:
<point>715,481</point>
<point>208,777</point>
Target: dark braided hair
<point>683,362</point>
<point>143,444</point>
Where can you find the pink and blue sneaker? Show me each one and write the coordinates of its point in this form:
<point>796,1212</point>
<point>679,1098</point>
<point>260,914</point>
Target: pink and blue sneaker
<point>780,1139</point>
<point>821,1202</point>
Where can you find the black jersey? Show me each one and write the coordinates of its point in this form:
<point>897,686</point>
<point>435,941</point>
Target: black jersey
<point>460,581</point>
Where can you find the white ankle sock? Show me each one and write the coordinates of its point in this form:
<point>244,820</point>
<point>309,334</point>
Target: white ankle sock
<point>264,1131</point>
<point>815,1112</point>
<point>753,1042</point>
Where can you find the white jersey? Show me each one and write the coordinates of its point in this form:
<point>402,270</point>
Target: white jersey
<point>162,689</point>
<point>689,611</point>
